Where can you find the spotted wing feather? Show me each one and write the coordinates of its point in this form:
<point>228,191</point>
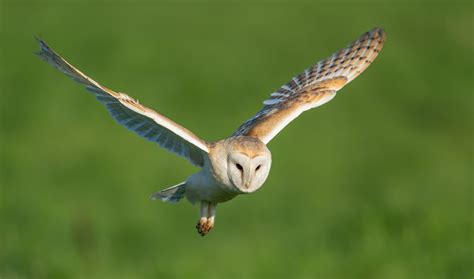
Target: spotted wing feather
<point>314,87</point>
<point>136,117</point>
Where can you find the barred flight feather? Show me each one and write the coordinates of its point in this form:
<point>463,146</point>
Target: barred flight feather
<point>136,117</point>
<point>315,86</point>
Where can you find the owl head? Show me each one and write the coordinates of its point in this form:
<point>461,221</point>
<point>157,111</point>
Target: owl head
<point>242,164</point>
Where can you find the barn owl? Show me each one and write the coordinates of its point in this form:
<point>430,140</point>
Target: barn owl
<point>239,164</point>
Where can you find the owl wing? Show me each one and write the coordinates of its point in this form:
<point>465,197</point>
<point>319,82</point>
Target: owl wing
<point>136,117</point>
<point>316,86</point>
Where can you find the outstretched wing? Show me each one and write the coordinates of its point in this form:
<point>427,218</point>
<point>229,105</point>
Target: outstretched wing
<point>316,86</point>
<point>136,117</point>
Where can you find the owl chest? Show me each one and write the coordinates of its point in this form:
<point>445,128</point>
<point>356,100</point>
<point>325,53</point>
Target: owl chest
<point>203,187</point>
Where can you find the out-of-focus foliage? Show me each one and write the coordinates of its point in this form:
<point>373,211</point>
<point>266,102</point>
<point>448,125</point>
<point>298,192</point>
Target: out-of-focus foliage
<point>375,184</point>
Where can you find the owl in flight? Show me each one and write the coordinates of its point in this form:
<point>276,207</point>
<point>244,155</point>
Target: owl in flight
<point>240,163</point>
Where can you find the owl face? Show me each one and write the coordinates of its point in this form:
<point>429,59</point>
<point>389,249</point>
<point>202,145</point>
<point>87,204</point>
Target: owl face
<point>248,173</point>
<point>240,164</point>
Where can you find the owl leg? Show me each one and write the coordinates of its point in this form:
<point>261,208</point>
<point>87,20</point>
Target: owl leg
<point>211,216</point>
<point>206,222</point>
<point>201,225</point>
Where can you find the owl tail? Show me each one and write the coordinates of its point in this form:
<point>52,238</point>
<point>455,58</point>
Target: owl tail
<point>172,194</point>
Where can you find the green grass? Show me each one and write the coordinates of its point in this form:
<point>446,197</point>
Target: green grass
<point>375,184</point>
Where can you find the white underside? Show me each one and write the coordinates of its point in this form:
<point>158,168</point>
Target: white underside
<point>202,186</point>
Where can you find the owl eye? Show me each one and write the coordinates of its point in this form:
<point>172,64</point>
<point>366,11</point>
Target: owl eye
<point>258,167</point>
<point>239,166</point>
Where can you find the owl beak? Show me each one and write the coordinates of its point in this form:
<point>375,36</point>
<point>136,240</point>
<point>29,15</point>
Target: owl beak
<point>247,176</point>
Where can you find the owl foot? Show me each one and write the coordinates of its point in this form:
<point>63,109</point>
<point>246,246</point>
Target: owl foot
<point>206,222</point>
<point>204,226</point>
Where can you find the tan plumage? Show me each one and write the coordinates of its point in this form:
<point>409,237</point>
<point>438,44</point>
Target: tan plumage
<point>314,87</point>
<point>241,163</point>
<point>136,117</point>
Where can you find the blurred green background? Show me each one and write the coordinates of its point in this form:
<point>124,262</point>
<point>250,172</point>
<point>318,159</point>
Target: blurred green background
<point>375,184</point>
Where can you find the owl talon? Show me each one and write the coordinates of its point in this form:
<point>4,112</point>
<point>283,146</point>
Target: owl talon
<point>201,226</point>
<point>204,226</point>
